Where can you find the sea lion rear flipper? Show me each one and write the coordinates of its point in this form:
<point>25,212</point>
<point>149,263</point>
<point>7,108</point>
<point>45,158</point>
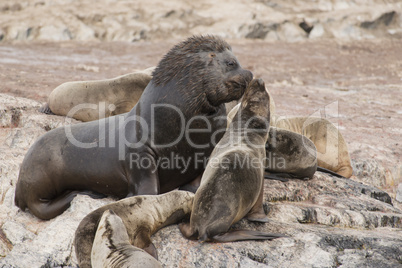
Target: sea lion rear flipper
<point>47,209</point>
<point>241,235</point>
<point>45,109</point>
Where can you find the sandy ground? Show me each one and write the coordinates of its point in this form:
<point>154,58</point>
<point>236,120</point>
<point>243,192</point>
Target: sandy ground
<point>356,84</point>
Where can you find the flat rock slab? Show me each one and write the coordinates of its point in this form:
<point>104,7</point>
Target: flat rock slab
<point>329,221</point>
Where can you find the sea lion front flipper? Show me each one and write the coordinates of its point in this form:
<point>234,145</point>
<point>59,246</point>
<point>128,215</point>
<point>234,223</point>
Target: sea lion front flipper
<point>283,177</point>
<point>241,235</point>
<point>257,211</point>
<point>186,230</point>
<point>151,250</point>
<point>192,186</point>
<point>143,181</point>
<point>45,109</point>
<point>122,107</point>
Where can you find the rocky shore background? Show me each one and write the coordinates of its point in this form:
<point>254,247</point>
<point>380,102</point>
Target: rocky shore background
<point>338,59</point>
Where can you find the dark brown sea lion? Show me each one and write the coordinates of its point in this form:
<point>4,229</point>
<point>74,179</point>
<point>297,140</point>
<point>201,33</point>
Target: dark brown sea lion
<point>154,148</point>
<point>299,146</point>
<point>332,150</point>
<point>93,100</point>
<point>289,155</point>
<point>142,216</point>
<point>232,184</point>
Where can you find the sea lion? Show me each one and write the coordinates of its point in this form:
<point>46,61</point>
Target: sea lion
<point>93,100</point>
<point>155,148</point>
<point>291,132</point>
<point>232,184</point>
<point>112,249</point>
<point>142,216</point>
<point>289,155</point>
<point>332,150</point>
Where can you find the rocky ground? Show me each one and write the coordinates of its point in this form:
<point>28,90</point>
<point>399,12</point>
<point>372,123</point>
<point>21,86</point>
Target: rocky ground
<point>351,73</point>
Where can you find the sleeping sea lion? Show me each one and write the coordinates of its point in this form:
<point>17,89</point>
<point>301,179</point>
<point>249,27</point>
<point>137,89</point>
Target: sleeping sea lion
<point>94,100</point>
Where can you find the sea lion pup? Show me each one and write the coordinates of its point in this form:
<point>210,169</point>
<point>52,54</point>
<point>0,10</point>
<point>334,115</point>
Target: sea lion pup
<point>332,150</point>
<point>287,143</point>
<point>142,216</point>
<point>93,100</point>
<point>112,248</point>
<point>180,116</point>
<point>232,184</point>
<point>289,155</point>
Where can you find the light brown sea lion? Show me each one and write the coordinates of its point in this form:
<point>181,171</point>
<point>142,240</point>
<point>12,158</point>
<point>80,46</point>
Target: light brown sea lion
<point>112,249</point>
<point>94,100</point>
<point>142,216</point>
<point>180,115</point>
<point>232,184</point>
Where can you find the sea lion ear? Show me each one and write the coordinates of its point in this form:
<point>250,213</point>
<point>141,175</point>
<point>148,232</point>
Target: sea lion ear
<point>212,55</point>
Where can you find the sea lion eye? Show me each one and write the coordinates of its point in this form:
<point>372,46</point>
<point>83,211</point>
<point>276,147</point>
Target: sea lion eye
<point>231,63</point>
<point>212,55</point>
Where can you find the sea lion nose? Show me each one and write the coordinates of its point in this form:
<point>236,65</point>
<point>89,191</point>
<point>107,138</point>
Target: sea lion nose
<point>260,82</point>
<point>248,76</point>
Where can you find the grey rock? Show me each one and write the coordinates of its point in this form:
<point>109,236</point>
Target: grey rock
<point>384,20</point>
<point>260,31</point>
<point>369,171</point>
<point>399,193</point>
<point>258,19</point>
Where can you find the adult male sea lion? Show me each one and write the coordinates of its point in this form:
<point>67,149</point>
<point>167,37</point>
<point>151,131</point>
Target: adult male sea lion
<point>232,184</point>
<point>93,100</point>
<point>112,248</point>
<point>181,116</point>
<point>141,215</point>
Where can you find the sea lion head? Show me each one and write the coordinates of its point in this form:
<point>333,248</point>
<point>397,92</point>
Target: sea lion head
<point>255,106</point>
<point>205,71</point>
